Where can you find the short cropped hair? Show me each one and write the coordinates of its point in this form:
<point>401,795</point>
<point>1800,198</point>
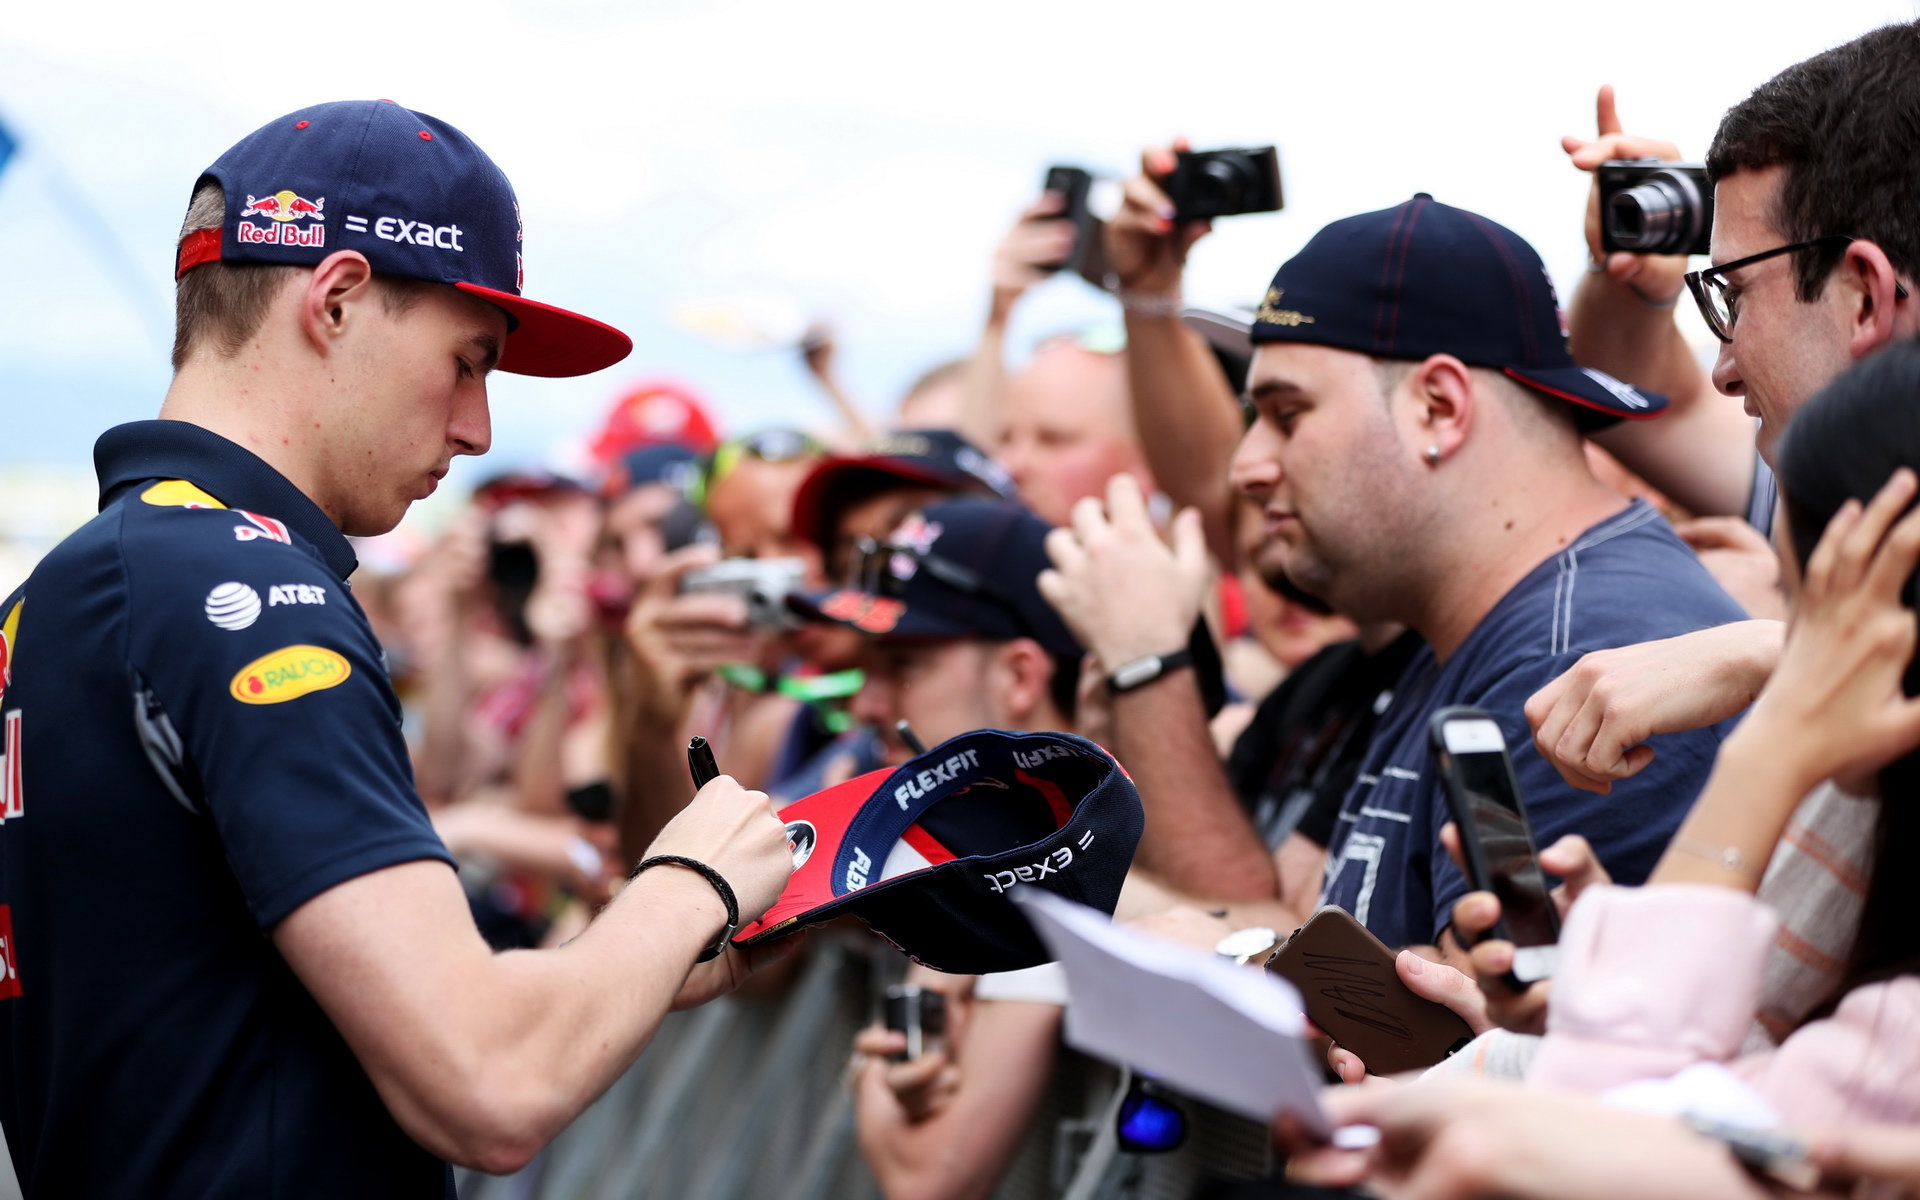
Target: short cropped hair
<point>1530,404</point>
<point>1845,125</point>
<point>222,304</point>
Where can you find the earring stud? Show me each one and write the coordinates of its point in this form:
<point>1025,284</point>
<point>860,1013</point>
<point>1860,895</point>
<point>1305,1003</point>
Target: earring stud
<point>1433,456</point>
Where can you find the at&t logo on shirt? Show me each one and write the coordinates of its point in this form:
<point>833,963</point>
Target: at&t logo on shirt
<point>233,606</point>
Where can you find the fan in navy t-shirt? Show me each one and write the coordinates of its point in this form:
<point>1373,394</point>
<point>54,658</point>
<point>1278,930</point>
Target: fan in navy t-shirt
<point>1418,459</point>
<point>1629,579</point>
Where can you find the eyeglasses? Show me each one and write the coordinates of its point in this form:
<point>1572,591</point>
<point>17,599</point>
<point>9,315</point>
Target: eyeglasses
<point>769,445</point>
<point>878,569</point>
<point>1148,1121</point>
<point>1718,298</point>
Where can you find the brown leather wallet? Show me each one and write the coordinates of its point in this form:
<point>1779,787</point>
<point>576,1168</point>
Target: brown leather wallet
<point>1347,981</point>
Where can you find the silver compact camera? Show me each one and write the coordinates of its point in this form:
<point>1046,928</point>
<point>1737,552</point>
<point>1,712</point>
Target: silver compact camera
<point>764,583</point>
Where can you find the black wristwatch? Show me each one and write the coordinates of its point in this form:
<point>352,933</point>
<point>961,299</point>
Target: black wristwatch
<point>1142,671</point>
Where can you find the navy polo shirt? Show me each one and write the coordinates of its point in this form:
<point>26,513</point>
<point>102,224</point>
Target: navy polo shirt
<point>200,736</point>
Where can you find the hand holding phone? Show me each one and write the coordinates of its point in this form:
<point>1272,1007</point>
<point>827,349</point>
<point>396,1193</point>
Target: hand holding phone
<point>1495,839</point>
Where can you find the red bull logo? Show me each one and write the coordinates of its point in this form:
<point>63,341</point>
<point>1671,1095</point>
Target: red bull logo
<point>285,206</point>
<point>288,211</point>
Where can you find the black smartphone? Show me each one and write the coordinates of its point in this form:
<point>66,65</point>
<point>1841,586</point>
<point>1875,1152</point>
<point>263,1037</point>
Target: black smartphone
<point>918,1013</point>
<point>1073,185</point>
<point>1495,838</point>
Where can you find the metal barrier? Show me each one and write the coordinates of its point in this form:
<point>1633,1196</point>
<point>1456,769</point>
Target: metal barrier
<point>744,1099</point>
<point>740,1099</point>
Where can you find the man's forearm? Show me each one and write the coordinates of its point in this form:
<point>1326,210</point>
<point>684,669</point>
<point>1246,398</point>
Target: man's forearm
<point>1198,838</point>
<point>482,1058</point>
<point>1144,896</point>
<point>654,782</point>
<point>1700,450</point>
<point>985,377</point>
<point>963,1151</point>
<point>539,776</point>
<point>1610,328</point>
<point>1187,418</point>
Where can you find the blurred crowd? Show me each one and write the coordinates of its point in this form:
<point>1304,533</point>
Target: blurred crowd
<point>1253,553</point>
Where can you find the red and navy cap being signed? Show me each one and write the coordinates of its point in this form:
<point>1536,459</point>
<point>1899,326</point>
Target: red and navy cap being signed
<point>936,458</point>
<point>926,854</point>
<point>410,192</point>
<point>1427,278</point>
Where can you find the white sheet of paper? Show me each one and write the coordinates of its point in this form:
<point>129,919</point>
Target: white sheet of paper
<point>1196,1021</point>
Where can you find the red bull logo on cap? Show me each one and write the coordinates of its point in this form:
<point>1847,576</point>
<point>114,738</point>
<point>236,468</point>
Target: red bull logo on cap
<point>284,209</point>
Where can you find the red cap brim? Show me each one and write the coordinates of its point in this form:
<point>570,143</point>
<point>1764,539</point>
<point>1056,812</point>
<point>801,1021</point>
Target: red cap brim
<point>550,342</point>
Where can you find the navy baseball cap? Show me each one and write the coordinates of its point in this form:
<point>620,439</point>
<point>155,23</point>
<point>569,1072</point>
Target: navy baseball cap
<point>410,192</point>
<point>1427,278</point>
<point>937,458</point>
<point>668,463</point>
<point>963,568</point>
<point>926,854</point>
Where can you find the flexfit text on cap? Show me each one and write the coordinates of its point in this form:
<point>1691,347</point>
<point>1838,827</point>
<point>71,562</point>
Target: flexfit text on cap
<point>937,458</point>
<point>927,854</point>
<point>1426,278</point>
<point>411,193</point>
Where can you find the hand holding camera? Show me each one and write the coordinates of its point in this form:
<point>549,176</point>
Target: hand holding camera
<point>679,639</point>
<point>1146,250</point>
<point>909,1057</point>
<point>1655,277</point>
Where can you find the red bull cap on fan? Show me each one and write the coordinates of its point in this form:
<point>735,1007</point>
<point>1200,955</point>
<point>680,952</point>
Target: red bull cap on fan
<point>410,192</point>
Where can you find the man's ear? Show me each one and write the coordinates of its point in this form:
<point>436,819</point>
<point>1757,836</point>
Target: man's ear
<point>338,287</point>
<point>1438,403</point>
<point>1870,288</point>
<point>1022,671</point>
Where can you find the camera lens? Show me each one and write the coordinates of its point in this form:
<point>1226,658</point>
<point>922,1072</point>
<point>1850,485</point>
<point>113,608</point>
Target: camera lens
<point>1224,181</point>
<point>1662,214</point>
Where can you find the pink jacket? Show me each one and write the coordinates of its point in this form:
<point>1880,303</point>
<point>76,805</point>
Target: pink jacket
<point>1654,979</point>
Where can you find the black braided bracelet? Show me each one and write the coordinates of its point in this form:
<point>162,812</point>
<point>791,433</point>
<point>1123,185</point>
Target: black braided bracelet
<point>719,885</point>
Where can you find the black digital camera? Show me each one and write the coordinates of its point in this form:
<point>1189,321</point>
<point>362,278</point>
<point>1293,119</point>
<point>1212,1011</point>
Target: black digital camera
<point>918,1013</point>
<point>1653,207</point>
<point>1223,183</point>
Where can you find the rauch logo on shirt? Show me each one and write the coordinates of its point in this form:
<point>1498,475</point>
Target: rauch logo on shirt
<point>288,674</point>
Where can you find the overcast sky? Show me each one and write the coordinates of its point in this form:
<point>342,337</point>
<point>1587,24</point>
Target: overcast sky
<point>855,160</point>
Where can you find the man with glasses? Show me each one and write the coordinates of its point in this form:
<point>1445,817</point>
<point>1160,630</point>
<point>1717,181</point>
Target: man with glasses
<point>1816,240</point>
<point>1816,243</point>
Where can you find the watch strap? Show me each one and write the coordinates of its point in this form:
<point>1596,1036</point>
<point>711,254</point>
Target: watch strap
<point>1142,671</point>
